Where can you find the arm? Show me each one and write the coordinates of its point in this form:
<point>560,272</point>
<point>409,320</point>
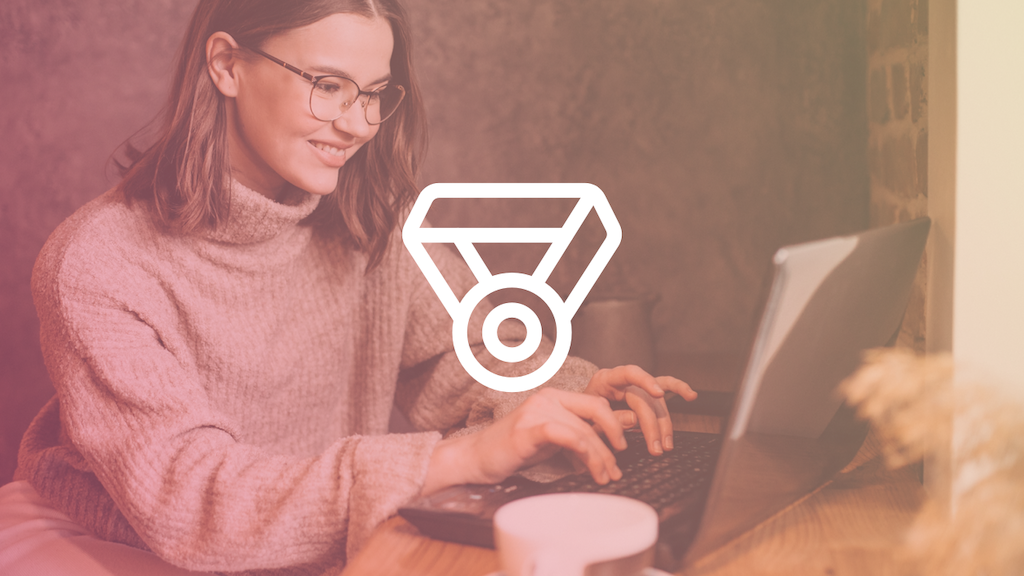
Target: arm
<point>527,426</point>
<point>137,416</point>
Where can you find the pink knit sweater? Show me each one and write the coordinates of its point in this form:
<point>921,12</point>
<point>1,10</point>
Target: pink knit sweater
<point>223,398</point>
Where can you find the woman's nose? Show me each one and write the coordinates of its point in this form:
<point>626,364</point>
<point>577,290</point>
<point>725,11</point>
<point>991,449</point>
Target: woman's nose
<point>353,121</point>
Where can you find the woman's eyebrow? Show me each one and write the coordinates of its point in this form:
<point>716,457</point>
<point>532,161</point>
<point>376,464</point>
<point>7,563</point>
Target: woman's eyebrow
<point>338,72</point>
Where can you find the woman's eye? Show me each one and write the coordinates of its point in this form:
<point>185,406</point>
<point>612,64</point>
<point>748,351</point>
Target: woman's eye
<point>328,88</point>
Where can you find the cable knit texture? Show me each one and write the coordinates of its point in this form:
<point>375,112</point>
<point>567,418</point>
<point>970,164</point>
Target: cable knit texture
<point>223,398</point>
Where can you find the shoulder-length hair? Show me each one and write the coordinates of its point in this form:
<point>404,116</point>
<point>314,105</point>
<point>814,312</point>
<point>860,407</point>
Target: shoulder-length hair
<point>186,172</point>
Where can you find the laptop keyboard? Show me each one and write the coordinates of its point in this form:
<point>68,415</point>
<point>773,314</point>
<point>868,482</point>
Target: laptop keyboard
<point>656,480</point>
<point>672,483</point>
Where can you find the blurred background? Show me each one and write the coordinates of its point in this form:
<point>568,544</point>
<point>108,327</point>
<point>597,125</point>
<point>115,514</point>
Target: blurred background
<point>719,131</point>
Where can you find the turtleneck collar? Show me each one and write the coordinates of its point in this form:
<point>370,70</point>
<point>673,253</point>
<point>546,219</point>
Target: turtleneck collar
<point>255,218</point>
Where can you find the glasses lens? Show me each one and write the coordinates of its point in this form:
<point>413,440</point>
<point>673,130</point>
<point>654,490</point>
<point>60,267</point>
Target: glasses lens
<point>383,103</point>
<point>331,96</point>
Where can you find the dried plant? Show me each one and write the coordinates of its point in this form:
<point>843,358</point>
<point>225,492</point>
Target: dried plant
<point>925,408</point>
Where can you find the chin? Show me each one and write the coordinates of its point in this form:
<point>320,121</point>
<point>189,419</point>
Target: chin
<point>320,186</point>
<point>320,191</point>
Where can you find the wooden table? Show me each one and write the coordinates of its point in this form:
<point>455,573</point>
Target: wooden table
<point>852,526</point>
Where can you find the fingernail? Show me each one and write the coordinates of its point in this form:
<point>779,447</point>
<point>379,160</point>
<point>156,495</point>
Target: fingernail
<point>632,419</point>
<point>657,447</point>
<point>668,442</point>
<point>603,477</point>
<point>616,473</point>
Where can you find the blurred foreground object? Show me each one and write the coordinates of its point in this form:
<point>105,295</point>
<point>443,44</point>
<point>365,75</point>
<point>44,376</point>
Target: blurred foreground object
<point>923,408</point>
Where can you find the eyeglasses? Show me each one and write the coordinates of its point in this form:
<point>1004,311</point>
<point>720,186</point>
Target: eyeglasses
<point>332,95</point>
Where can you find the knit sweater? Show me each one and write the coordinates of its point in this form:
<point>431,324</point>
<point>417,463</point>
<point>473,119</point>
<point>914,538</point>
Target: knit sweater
<point>223,397</point>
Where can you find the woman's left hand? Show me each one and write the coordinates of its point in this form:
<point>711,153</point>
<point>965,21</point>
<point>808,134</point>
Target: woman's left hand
<point>645,396</point>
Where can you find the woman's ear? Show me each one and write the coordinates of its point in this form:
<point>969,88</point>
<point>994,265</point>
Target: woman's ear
<point>221,62</point>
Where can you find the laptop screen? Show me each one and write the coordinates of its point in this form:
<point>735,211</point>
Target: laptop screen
<point>789,431</point>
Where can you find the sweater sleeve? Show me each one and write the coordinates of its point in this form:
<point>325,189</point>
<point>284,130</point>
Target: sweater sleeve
<point>142,424</point>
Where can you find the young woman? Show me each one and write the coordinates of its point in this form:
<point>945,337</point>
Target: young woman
<point>229,328</point>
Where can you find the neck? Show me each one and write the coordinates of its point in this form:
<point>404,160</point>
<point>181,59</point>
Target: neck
<point>247,167</point>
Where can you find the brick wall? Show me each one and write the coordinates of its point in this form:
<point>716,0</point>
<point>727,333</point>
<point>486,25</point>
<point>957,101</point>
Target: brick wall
<point>897,38</point>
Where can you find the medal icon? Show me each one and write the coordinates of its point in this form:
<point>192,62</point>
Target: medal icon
<point>589,198</point>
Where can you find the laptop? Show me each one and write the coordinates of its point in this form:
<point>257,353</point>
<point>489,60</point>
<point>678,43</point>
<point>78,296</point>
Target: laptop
<point>788,431</point>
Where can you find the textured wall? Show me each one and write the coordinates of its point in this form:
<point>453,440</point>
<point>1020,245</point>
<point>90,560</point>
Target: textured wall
<point>77,77</point>
<point>897,35</point>
<point>719,131</point>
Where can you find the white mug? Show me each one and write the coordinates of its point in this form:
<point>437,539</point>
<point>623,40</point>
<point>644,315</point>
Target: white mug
<point>563,534</point>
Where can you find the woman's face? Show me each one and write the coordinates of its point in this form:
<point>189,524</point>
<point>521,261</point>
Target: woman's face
<point>274,140</point>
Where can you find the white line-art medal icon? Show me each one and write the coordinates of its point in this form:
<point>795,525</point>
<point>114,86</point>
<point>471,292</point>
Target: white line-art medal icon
<point>415,236</point>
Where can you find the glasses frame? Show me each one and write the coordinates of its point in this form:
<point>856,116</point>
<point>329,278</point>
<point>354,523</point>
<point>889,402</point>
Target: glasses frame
<point>316,80</point>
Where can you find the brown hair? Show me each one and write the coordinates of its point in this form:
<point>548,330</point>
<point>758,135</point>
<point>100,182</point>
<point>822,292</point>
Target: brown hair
<point>185,173</point>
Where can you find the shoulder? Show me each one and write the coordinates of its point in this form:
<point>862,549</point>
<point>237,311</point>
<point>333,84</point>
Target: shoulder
<point>101,243</point>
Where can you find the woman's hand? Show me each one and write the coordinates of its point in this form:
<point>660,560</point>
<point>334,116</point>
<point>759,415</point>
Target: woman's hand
<point>547,421</point>
<point>645,396</point>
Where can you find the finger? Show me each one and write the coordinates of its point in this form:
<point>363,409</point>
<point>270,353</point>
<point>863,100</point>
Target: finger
<point>627,418</point>
<point>570,410</point>
<point>678,386</point>
<point>598,411</point>
<point>590,450</point>
<point>664,423</point>
<point>600,385</point>
<point>644,406</point>
<point>623,376</point>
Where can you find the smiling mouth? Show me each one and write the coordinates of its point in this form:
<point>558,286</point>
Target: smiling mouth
<point>339,152</point>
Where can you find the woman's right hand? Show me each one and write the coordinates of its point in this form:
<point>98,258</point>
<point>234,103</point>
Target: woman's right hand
<point>547,421</point>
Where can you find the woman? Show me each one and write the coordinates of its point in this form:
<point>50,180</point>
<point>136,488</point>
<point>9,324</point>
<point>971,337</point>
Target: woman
<point>228,329</point>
